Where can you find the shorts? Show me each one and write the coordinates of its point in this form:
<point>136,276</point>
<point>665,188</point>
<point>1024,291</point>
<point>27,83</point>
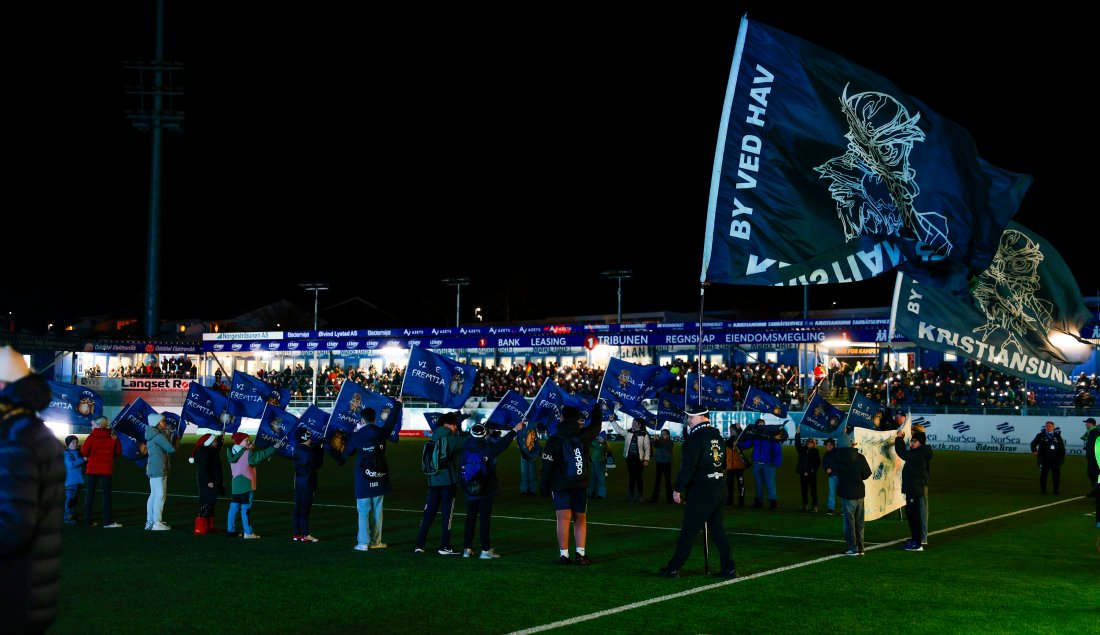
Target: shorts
<point>575,500</point>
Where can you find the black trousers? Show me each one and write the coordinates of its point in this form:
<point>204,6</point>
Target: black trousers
<point>1055,470</point>
<point>912,514</point>
<point>735,480</point>
<point>477,509</point>
<point>704,507</point>
<point>440,497</point>
<point>634,477</point>
<point>664,471</point>
<point>809,487</point>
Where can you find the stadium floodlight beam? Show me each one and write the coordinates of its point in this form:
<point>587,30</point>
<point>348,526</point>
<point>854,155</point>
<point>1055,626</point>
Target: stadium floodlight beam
<point>316,288</point>
<point>619,274</point>
<point>457,284</point>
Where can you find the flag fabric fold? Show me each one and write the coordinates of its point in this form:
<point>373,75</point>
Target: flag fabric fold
<point>438,378</point>
<point>546,406</point>
<point>826,172</point>
<point>1023,315</point>
<point>821,415</point>
<point>757,400</point>
<point>715,394</point>
<point>276,426</point>
<point>433,419</point>
<point>509,411</point>
<point>203,407</point>
<point>248,396</point>
<point>629,384</point>
<point>72,405</point>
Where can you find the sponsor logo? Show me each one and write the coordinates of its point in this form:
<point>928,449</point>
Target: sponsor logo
<point>353,344</point>
<point>218,347</point>
<point>435,343</point>
<point>331,345</point>
<point>960,427</point>
<point>1005,427</point>
<point>292,346</point>
<point>255,346</point>
<point>236,347</point>
<point>312,345</point>
<point>273,346</point>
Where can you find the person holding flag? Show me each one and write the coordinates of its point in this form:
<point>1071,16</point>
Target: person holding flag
<point>566,475</point>
<point>767,454</point>
<point>481,449</point>
<point>850,469</point>
<point>372,473</point>
<point>243,459</point>
<point>914,480</point>
<point>160,446</point>
<point>699,485</point>
<point>209,477</point>
<point>636,451</point>
<point>308,458</point>
<point>736,464</point>
<point>442,484</point>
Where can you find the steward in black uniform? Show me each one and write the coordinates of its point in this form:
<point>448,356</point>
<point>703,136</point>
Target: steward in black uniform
<point>700,483</point>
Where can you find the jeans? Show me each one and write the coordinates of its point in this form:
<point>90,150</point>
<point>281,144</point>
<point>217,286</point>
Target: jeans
<point>764,474</point>
<point>154,507</point>
<point>245,509</point>
<point>303,504</point>
<point>370,519</point>
<point>830,502</point>
<point>853,523</point>
<point>528,476</point>
<point>71,492</point>
<point>90,481</point>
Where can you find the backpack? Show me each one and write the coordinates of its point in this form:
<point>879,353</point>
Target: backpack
<point>431,458</point>
<point>474,474</point>
<point>576,464</point>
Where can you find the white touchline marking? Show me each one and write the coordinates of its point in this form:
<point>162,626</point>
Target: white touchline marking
<point>708,587</point>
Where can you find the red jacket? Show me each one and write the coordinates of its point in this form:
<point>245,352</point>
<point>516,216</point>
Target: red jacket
<point>101,449</point>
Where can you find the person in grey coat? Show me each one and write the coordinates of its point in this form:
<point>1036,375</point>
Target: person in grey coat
<point>851,469</point>
<point>159,447</point>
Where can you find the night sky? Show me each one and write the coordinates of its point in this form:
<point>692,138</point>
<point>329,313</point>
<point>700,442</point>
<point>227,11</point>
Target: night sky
<point>380,151</point>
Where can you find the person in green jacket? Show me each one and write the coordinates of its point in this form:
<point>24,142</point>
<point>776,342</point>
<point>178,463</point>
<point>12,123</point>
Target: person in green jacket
<point>597,488</point>
<point>442,485</point>
<point>242,466</point>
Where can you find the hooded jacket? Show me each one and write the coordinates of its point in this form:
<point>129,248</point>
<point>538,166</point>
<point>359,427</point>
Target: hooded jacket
<point>914,476</point>
<point>33,473</point>
<point>552,478</point>
<point>851,470</point>
<point>156,441</point>
<point>450,444</point>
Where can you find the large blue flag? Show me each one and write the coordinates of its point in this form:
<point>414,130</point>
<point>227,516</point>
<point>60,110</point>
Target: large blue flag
<point>630,384</point>
<point>509,411</point>
<point>865,413</point>
<point>1023,316</point>
<point>826,172</point>
<point>384,408</point>
<point>433,419</point>
<point>438,378</point>
<point>757,400</point>
<point>133,419</point>
<point>276,426</point>
<point>204,407</point>
<point>349,405</point>
<point>821,415</point>
<point>715,394</point>
<point>334,439</point>
<point>669,407</point>
<point>547,404</point>
<point>174,426</point>
<point>133,449</point>
<point>248,396</point>
<point>72,405</point>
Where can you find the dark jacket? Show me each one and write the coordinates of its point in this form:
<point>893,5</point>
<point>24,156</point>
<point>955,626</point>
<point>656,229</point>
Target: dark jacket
<point>208,469</point>
<point>372,471</point>
<point>490,449</point>
<point>702,461</point>
<point>809,460</point>
<point>1051,448</point>
<point>307,460</point>
<point>552,478</point>
<point>450,444</point>
<point>851,469</point>
<point>1090,447</point>
<point>32,474</point>
<point>914,476</point>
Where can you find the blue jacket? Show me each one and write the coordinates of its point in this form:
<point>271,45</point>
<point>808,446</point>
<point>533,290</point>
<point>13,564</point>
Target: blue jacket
<point>764,451</point>
<point>74,468</point>
<point>372,472</point>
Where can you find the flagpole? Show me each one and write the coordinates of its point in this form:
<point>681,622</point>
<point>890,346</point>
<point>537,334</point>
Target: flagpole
<point>699,348</point>
<point>405,375</point>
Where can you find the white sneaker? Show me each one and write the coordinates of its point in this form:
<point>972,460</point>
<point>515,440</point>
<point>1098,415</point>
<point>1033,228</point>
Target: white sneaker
<point>448,552</point>
<point>160,527</point>
<point>362,547</point>
<point>148,526</point>
<point>488,554</point>
<point>309,538</point>
<point>112,526</point>
<point>252,536</point>
<point>466,553</point>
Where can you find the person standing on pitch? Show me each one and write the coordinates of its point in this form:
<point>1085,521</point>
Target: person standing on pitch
<point>1050,449</point>
<point>850,469</point>
<point>699,484</point>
